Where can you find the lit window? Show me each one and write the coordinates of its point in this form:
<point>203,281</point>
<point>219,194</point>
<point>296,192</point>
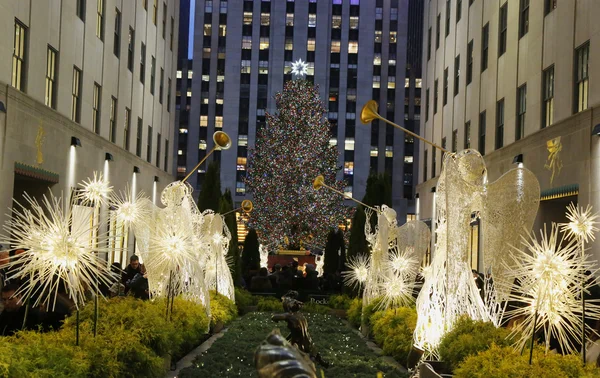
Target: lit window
<point>246,66</point>
<point>393,36</point>
<point>222,30</point>
<point>202,144</point>
<point>408,159</point>
<point>418,83</point>
<point>310,69</point>
<point>348,191</point>
<point>219,122</point>
<point>374,151</point>
<point>378,36</point>
<point>223,7</point>
<point>247,42</point>
<point>352,47</point>
<point>349,168</point>
<point>336,22</point>
<point>376,81</point>
<point>289,19</point>
<point>190,74</point>
<point>179,152</point>
<point>189,93</point>
<point>205,78</point>
<point>205,100</point>
<point>208,6</point>
<point>389,151</point>
<point>240,187</point>
<point>353,22</point>
<point>377,59</point>
<point>265,19</point>
<point>179,74</point>
<point>392,62</point>
<point>183,131</point>
<point>181,169</point>
<point>312,20</point>
<point>391,82</point>
<point>333,142</point>
<point>220,78</point>
<point>289,44</point>
<point>207,29</point>
<point>242,140</point>
<point>247,18</point>
<point>406,82</point>
<point>264,43</point>
<point>335,46</point>
<point>287,68</point>
<point>349,144</point>
<point>378,13</point>
<point>241,163</point>
<point>310,45</point>
<point>206,52</point>
<point>219,101</point>
<point>203,121</point>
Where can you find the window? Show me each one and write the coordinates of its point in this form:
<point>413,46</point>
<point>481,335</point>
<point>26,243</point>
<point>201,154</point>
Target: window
<point>425,166</point>
<point>437,31</point>
<point>500,124</point>
<point>117,38</point>
<point>310,44</point>
<point>448,8</point>
<point>112,126</point>
<point>427,105</point>
<point>289,44</point>
<point>376,81</point>
<point>393,36</point>
<point>19,56</point>
<point>445,94</point>
<point>435,96</point>
<point>482,126</point>
<point>164,21</point>
<point>80,10</point>
<point>335,46</point>
<point>96,108</point>
<point>312,20</point>
<point>353,22</point>
<point>138,140</point>
<point>289,19</point>
<point>169,95</point>
<point>458,10</point>
<point>152,74</point>
<point>219,122</point>
<point>166,155</point>
<point>348,167</point>
<point>130,49</point>
<point>171,34</point>
<point>336,22</point>
<point>223,7</point>
<point>378,13</point>
<point>502,25</point>
<point>207,6</point>
<point>145,3</point>
<point>429,44</point>
<point>247,18</point>
<point>143,63</point>
<point>467,141</point>
<point>127,129</point>
<point>433,162</point>
<point>265,19</point>
<point>469,62</point>
<point>456,74</point>
<point>548,108</point>
<point>247,42</point>
<point>352,47</point>
<point>158,145</point>
<point>523,18</point>
<point>50,98</point>
<point>454,140</point>
<point>203,121</point>
<point>521,110</point>
<point>149,145</point>
<point>76,96</point>
<point>161,86</point>
<point>391,82</point>
<point>100,19</point>
<point>549,6</point>
<point>263,43</point>
<point>154,12</point>
<point>378,36</point>
<point>349,144</point>
<point>582,55</point>
<point>485,39</point>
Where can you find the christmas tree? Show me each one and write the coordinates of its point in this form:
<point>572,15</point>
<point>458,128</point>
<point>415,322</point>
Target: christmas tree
<point>291,150</point>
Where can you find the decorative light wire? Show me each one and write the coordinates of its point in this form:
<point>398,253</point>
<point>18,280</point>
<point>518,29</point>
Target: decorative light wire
<point>358,270</point>
<point>94,191</point>
<point>56,252</point>
<point>582,223</point>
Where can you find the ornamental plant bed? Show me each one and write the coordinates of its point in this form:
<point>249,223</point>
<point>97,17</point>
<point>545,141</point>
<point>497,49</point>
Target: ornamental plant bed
<point>233,354</point>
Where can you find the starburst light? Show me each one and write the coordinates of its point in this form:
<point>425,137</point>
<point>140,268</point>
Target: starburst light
<point>95,191</point>
<point>299,68</point>
<point>582,223</point>
<point>130,208</point>
<point>358,271</point>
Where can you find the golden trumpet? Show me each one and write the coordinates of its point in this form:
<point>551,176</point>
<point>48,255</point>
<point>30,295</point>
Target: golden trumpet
<point>319,182</point>
<point>246,207</point>
<point>222,142</point>
<point>369,113</point>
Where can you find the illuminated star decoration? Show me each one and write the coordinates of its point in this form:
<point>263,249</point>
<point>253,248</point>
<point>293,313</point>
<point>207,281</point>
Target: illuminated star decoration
<point>582,224</point>
<point>299,68</point>
<point>548,277</point>
<point>55,252</point>
<point>94,191</point>
<point>358,271</point>
<point>130,208</point>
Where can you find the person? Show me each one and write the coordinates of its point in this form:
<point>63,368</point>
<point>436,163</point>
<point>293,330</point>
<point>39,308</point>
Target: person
<point>139,284</point>
<point>13,315</point>
<point>275,274</point>
<point>311,281</point>
<point>117,288</point>
<point>286,279</point>
<point>261,282</point>
<point>130,271</point>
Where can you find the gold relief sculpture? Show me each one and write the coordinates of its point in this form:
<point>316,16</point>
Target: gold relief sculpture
<point>39,143</point>
<point>553,162</point>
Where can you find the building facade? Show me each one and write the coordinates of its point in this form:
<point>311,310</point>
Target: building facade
<point>242,55</point>
<point>514,79</point>
<point>86,86</point>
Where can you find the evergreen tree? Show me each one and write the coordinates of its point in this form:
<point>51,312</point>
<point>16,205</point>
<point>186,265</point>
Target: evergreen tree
<point>233,255</point>
<point>331,263</point>
<point>291,151</point>
<point>251,253</point>
<point>210,193</point>
<point>342,245</point>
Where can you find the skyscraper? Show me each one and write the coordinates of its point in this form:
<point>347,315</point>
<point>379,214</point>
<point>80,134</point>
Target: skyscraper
<point>355,51</point>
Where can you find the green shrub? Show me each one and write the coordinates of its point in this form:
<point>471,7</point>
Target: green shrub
<point>191,323</point>
<point>222,309</point>
<point>354,312</point>
<point>371,308</point>
<point>393,330</point>
<point>340,302</point>
<point>315,308</point>
<point>269,304</point>
<point>468,337</point>
<point>504,362</point>
<point>243,299</point>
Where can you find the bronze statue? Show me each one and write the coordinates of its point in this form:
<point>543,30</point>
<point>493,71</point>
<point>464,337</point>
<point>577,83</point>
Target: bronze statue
<point>298,327</point>
<point>277,358</point>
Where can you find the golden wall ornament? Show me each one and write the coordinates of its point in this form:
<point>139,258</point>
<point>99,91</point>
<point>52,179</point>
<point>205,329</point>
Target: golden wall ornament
<point>39,143</point>
<point>554,162</point>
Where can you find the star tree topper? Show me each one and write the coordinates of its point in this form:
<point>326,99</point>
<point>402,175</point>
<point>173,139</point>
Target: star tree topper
<point>299,68</point>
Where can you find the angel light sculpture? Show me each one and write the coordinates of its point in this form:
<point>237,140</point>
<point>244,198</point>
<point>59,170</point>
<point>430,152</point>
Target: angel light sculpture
<point>217,274</point>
